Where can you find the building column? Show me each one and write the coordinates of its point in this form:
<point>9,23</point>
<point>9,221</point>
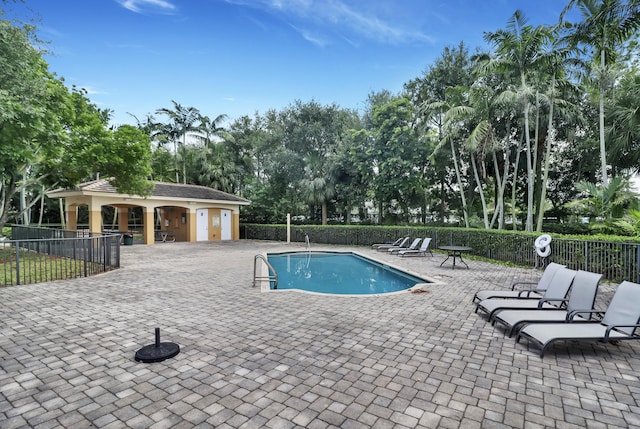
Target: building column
<point>95,218</point>
<point>149,227</point>
<point>123,219</point>
<point>71,213</point>
<point>235,226</point>
<point>191,225</point>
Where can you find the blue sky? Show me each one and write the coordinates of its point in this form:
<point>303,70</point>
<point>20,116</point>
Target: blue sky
<point>237,57</point>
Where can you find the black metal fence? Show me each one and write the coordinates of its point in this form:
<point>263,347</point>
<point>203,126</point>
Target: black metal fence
<point>616,261</point>
<point>35,255</point>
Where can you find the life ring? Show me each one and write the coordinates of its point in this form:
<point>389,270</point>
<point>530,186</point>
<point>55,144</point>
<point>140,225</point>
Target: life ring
<point>542,243</point>
<point>543,252</point>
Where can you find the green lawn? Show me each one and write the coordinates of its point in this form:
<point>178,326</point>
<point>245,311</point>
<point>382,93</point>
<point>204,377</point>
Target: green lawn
<point>37,267</point>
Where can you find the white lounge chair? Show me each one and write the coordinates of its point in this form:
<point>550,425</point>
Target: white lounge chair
<point>395,243</point>
<point>619,322</point>
<point>541,286</point>
<point>582,297</point>
<point>413,246</point>
<point>385,247</point>
<point>553,297</point>
<point>422,251</point>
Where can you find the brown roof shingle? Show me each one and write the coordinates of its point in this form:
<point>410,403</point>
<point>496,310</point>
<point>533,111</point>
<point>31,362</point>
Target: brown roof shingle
<point>164,189</point>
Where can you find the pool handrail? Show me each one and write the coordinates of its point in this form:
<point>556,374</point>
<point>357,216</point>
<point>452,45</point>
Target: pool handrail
<point>270,277</point>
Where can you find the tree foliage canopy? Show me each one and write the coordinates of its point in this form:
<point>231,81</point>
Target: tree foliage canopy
<point>53,136</point>
<point>508,137</point>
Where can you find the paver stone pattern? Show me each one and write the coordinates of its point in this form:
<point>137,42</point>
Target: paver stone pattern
<point>252,359</point>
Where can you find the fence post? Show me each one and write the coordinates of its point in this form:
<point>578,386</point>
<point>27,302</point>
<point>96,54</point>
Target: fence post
<point>106,245</point>
<point>87,250</point>
<point>17,262</point>
<point>638,262</point>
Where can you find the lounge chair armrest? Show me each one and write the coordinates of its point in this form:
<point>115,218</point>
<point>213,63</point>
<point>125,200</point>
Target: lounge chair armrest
<point>527,292</point>
<point>546,300</point>
<point>573,313</point>
<point>612,327</point>
<point>513,285</point>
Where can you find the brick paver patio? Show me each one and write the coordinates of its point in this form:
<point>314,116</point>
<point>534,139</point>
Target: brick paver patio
<point>287,359</point>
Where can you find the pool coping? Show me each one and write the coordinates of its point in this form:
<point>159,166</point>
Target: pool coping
<point>417,288</point>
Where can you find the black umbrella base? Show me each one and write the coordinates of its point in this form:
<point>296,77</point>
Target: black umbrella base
<point>158,351</point>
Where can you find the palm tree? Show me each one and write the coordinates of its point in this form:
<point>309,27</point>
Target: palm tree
<point>165,134</point>
<point>518,51</point>
<point>483,139</point>
<point>450,134</point>
<point>469,124</point>
<point>623,130</point>
<point>606,202</point>
<point>605,26</point>
<point>212,128</point>
<point>318,190</point>
<point>556,60</point>
<point>213,166</point>
<point>183,121</point>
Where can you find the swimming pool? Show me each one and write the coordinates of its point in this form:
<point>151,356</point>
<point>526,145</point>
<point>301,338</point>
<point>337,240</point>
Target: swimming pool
<point>338,273</point>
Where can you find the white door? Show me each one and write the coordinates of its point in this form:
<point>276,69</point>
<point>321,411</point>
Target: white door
<point>225,224</point>
<point>202,224</point>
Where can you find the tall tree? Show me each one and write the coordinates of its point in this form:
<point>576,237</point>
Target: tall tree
<point>313,132</point>
<point>183,120</point>
<point>623,128</point>
<point>557,95</point>
<point>518,50</point>
<point>605,25</point>
<point>432,95</point>
<point>398,155</point>
<point>52,136</point>
<point>212,163</point>
<point>212,128</point>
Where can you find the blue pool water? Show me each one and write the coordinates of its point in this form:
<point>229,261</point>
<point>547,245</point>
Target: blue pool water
<point>338,273</point>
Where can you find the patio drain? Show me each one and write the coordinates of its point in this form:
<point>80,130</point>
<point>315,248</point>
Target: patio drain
<point>158,351</point>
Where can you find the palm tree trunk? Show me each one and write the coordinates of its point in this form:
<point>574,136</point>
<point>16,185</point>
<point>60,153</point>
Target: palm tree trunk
<point>530,178</point>
<point>460,187</point>
<point>175,160</point>
<point>502,184</point>
<point>603,155</point>
<point>535,166</point>
<point>114,219</point>
<point>23,201</point>
<point>442,195</point>
<point>63,220</point>
<point>184,158</point>
<point>41,206</point>
<point>485,217</point>
<point>513,186</point>
<point>424,207</point>
<point>547,157</point>
<point>324,212</point>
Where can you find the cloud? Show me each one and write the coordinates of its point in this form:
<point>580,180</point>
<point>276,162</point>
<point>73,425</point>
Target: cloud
<point>142,6</point>
<point>347,18</point>
<point>310,37</point>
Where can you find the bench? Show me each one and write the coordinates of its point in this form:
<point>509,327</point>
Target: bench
<point>164,236</point>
